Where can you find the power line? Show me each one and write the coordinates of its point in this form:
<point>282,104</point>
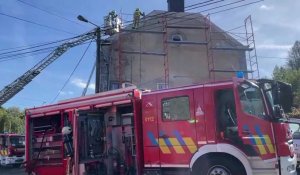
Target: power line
<point>35,23</point>
<point>167,13</point>
<point>21,56</point>
<point>270,57</point>
<point>168,20</point>
<point>205,5</point>
<point>223,5</point>
<point>49,12</point>
<point>31,46</point>
<point>33,52</point>
<point>70,76</point>
<point>236,7</point>
<point>36,45</point>
<point>235,28</point>
<point>191,14</point>
<point>14,57</point>
<point>198,4</point>
<point>21,53</point>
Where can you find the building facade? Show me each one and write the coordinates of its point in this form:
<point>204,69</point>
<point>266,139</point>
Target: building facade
<point>171,49</point>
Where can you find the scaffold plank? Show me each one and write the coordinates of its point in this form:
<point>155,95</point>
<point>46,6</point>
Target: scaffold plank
<point>232,48</point>
<point>187,27</point>
<point>223,70</point>
<point>143,53</point>
<point>187,42</point>
<point>142,31</point>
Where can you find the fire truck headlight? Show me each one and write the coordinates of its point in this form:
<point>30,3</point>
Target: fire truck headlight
<point>291,168</point>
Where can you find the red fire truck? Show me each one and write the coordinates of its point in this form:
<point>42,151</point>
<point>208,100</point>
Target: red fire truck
<point>233,127</point>
<point>12,149</point>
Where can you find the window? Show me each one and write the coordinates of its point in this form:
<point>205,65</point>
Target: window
<point>176,37</point>
<point>177,108</point>
<point>17,140</point>
<point>1,140</point>
<point>114,85</point>
<point>251,100</point>
<point>161,86</point>
<point>225,109</point>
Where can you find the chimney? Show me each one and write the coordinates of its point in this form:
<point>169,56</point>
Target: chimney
<point>176,5</point>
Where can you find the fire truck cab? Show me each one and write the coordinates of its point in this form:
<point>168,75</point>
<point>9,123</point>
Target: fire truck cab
<point>12,149</point>
<point>233,128</point>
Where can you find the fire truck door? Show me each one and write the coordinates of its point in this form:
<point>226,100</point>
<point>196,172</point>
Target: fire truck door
<point>176,128</point>
<point>254,126</point>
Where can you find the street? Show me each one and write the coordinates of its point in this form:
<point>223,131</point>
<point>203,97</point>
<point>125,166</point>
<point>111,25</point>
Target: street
<point>11,171</point>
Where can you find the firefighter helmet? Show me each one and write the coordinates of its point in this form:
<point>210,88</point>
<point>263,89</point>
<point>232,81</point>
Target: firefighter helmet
<point>66,130</point>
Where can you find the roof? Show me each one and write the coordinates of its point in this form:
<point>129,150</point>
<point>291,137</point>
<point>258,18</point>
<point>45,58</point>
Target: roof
<point>154,20</point>
<point>103,99</point>
<point>212,84</point>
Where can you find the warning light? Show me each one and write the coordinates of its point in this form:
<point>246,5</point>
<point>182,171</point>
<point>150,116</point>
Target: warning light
<point>240,74</point>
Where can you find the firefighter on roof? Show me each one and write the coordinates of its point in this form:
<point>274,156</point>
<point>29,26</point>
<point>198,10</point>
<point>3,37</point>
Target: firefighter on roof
<point>136,18</point>
<point>113,17</point>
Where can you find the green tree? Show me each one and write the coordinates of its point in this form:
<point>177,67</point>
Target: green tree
<point>290,73</point>
<point>290,76</point>
<point>294,56</point>
<point>12,120</point>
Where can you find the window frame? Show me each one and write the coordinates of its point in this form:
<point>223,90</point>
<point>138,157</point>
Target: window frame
<point>158,85</point>
<point>262,97</point>
<point>177,35</point>
<point>170,120</point>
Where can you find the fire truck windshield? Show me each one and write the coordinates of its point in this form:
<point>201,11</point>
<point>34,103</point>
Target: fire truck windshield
<point>251,99</point>
<point>17,141</point>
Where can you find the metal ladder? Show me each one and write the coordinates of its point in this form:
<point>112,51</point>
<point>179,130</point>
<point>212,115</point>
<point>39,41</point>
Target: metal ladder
<point>16,86</point>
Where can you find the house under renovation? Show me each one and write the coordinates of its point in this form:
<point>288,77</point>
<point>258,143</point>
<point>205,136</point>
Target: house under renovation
<point>175,48</point>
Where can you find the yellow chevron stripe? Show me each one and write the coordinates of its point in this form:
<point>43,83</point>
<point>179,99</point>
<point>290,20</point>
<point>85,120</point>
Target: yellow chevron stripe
<point>176,145</point>
<point>269,144</point>
<point>190,144</point>
<point>163,147</point>
<point>259,145</point>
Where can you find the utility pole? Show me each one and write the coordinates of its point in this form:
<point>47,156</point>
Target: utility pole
<point>98,61</point>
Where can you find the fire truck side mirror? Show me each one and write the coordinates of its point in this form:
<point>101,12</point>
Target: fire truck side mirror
<point>277,111</point>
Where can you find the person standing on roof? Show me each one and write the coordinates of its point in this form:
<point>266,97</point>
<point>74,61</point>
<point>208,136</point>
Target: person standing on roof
<point>113,17</point>
<point>136,18</point>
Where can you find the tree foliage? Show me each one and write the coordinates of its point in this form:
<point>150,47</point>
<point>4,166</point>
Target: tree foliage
<point>12,120</point>
<point>290,73</point>
<point>294,57</point>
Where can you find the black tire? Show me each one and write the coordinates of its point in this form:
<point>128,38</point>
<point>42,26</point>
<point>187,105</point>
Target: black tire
<point>218,166</point>
<point>17,165</point>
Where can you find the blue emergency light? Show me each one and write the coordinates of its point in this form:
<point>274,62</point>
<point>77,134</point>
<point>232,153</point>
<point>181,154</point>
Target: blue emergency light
<point>240,74</point>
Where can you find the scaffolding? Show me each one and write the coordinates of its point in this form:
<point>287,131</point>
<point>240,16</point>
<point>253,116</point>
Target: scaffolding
<point>237,39</point>
<point>139,51</point>
<point>165,50</point>
<point>251,55</point>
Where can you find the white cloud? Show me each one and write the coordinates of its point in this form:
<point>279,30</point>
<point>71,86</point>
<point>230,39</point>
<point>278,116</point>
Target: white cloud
<point>81,84</point>
<point>274,47</point>
<point>66,92</point>
<point>265,7</point>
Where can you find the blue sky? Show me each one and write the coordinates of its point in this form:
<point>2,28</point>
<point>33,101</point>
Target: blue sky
<point>276,25</point>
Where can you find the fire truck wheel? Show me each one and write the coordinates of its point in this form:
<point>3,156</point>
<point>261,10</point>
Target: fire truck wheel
<point>219,166</point>
<point>17,165</point>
